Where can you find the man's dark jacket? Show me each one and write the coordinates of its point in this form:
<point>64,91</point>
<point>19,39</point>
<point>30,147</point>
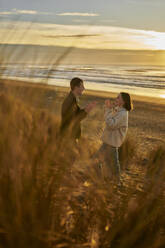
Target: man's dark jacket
<point>71,116</point>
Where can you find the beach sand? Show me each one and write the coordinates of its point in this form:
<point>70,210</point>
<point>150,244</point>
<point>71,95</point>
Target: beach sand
<point>146,121</point>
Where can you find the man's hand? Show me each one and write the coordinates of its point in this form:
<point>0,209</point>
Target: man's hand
<point>90,106</point>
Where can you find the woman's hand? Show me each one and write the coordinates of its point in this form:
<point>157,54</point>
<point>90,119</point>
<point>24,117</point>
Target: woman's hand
<point>109,104</point>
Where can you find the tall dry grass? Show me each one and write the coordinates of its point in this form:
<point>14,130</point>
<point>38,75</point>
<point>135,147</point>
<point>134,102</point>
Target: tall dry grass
<point>52,196</point>
<point>38,187</point>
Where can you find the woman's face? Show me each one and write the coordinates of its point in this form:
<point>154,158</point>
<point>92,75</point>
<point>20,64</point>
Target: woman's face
<point>119,101</point>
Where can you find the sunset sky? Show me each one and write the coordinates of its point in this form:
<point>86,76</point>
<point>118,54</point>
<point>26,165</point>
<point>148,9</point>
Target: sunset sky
<point>106,24</point>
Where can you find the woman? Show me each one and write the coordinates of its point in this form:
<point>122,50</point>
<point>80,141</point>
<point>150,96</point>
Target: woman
<point>116,120</point>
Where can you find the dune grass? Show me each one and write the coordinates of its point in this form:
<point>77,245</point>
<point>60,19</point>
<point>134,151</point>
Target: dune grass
<point>52,196</point>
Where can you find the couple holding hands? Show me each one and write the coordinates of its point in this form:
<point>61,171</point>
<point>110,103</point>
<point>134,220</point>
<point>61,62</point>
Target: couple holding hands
<point>116,125</point>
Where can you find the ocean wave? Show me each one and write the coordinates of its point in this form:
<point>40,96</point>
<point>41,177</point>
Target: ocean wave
<point>141,77</point>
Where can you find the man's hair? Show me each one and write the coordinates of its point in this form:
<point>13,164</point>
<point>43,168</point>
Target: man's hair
<point>75,82</point>
<point>127,101</point>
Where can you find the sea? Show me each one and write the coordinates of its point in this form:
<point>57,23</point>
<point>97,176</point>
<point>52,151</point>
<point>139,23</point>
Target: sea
<point>135,79</point>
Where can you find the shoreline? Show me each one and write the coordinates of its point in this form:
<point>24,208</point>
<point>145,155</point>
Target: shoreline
<point>10,82</point>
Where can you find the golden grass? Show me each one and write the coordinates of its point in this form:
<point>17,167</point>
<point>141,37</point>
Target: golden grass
<point>51,194</point>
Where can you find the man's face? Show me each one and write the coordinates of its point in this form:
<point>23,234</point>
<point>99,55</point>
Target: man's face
<point>79,90</point>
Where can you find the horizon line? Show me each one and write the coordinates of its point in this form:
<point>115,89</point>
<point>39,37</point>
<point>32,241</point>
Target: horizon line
<point>80,48</point>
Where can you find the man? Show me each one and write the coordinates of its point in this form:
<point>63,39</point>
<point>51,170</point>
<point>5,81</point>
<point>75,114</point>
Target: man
<point>71,113</point>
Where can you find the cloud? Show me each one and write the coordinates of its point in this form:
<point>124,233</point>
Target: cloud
<point>91,36</point>
<point>6,13</point>
<point>27,12</point>
<point>71,36</point>
<point>23,12</point>
<point>77,14</point>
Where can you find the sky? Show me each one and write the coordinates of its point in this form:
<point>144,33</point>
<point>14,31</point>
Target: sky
<point>92,24</point>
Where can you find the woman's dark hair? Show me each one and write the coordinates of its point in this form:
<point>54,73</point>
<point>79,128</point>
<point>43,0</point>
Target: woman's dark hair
<point>75,82</point>
<point>127,101</point>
